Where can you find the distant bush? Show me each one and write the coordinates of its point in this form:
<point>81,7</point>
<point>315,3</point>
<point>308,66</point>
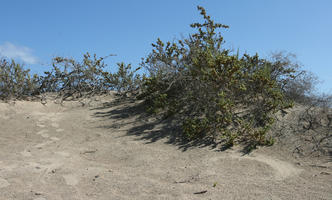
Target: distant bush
<point>215,93</point>
<point>88,78</point>
<point>68,79</point>
<point>300,87</point>
<point>15,81</point>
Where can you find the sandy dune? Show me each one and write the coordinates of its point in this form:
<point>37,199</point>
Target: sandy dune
<point>109,151</point>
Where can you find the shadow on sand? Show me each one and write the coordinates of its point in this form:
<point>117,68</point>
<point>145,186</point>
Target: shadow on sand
<point>130,116</point>
<point>129,113</point>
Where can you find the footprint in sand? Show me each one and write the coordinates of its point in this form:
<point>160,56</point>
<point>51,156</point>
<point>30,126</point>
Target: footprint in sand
<point>41,145</point>
<point>54,138</point>
<point>55,125</point>
<point>63,154</point>
<point>7,167</point>
<point>4,183</point>
<point>71,179</point>
<point>4,117</point>
<point>40,125</point>
<point>40,198</point>
<point>26,153</point>
<point>49,117</point>
<point>43,133</point>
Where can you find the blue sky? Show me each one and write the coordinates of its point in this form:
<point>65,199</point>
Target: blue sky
<point>35,31</point>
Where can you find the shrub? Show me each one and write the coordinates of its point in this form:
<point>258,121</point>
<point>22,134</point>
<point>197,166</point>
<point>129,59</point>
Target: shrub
<point>300,87</point>
<point>125,81</point>
<point>70,78</point>
<point>214,93</point>
<point>15,81</point>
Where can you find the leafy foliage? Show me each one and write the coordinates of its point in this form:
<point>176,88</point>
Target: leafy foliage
<point>214,93</point>
<point>125,80</point>
<point>88,78</point>
<point>15,81</point>
<point>68,79</point>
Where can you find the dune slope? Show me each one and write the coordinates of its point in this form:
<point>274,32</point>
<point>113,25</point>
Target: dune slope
<point>109,151</point>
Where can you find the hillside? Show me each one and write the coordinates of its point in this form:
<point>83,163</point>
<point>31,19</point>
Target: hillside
<point>111,149</point>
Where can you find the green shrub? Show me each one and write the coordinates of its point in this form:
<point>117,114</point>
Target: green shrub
<point>70,78</point>
<point>15,81</point>
<point>213,92</point>
<point>125,80</point>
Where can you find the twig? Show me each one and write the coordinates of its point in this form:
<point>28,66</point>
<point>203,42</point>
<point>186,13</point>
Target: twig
<point>201,192</point>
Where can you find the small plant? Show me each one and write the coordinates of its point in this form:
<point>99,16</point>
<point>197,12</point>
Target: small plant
<point>125,80</point>
<point>195,128</point>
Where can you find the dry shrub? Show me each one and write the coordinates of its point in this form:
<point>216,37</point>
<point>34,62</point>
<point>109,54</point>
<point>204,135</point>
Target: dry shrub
<point>306,130</point>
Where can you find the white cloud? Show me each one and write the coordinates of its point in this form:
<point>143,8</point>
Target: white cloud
<point>23,53</point>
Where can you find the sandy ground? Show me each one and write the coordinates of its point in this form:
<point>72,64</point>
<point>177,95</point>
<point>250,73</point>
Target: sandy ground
<point>108,151</point>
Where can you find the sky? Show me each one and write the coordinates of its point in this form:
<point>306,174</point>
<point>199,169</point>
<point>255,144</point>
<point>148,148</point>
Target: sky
<point>35,31</point>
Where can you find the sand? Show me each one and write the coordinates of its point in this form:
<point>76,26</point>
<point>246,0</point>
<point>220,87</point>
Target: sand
<point>110,151</point>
